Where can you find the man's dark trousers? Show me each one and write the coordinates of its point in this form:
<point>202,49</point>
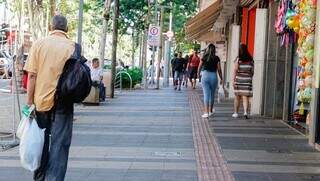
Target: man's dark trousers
<point>58,123</point>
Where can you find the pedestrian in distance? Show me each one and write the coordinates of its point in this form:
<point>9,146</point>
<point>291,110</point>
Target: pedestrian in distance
<point>179,68</point>
<point>173,68</point>
<point>186,73</point>
<point>210,66</point>
<point>151,71</point>
<point>242,81</point>
<point>45,64</point>
<point>193,67</point>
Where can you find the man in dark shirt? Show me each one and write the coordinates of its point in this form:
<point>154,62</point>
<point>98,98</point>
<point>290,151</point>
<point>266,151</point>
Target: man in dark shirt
<point>179,68</point>
<point>173,68</point>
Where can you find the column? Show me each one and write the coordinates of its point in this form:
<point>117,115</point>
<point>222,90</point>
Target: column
<point>314,125</point>
<point>233,50</point>
<point>259,60</point>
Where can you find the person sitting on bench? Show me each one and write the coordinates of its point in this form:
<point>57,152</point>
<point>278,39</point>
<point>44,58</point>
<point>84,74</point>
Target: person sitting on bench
<point>97,77</point>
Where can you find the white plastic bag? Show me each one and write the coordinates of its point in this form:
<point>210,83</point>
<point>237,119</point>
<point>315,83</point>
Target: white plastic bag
<point>26,113</point>
<point>221,93</point>
<point>22,126</point>
<point>31,145</point>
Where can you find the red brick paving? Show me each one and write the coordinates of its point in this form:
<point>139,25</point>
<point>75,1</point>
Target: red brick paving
<point>211,165</point>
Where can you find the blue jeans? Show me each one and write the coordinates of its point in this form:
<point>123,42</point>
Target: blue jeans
<point>102,90</point>
<point>58,123</point>
<point>209,85</point>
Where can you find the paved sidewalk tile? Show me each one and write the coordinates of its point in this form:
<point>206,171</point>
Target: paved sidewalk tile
<point>138,136</point>
<point>261,149</point>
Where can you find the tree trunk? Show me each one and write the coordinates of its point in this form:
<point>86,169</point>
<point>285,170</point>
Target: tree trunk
<point>103,39</point>
<point>133,48</point>
<point>144,59</point>
<point>51,11</point>
<point>52,7</point>
<point>141,50</point>
<point>114,44</point>
<point>106,17</point>
<point>145,42</point>
<point>35,11</point>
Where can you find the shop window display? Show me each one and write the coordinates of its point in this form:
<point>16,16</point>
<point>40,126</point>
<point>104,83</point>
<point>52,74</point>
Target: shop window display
<point>295,24</point>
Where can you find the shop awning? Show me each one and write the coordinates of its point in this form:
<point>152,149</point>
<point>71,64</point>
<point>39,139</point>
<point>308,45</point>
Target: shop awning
<point>212,37</point>
<point>248,3</point>
<point>203,22</point>
<point>206,25</point>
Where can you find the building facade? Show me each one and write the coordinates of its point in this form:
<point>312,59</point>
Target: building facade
<point>285,48</point>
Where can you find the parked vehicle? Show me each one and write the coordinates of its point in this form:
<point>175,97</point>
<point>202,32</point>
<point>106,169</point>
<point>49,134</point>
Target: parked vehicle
<point>5,64</point>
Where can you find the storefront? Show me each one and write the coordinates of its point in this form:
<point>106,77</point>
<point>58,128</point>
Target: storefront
<point>295,25</point>
<point>253,33</point>
<point>215,24</point>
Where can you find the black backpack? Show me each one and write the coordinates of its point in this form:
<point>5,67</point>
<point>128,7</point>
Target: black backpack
<point>74,84</point>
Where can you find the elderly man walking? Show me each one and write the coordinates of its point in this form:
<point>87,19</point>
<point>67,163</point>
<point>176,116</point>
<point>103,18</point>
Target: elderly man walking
<point>45,64</point>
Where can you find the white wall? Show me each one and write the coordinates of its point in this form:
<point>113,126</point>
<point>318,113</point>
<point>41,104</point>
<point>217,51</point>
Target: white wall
<point>233,52</point>
<point>259,58</point>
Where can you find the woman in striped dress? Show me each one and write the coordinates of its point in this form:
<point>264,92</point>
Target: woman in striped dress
<point>242,81</point>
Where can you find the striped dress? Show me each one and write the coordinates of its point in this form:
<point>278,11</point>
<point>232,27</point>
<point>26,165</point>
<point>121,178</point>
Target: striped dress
<point>243,81</point>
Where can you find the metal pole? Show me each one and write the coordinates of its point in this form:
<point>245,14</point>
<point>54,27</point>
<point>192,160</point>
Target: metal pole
<point>152,64</point>
<point>166,64</point>
<point>168,50</point>
<point>160,47</point>
<point>80,22</point>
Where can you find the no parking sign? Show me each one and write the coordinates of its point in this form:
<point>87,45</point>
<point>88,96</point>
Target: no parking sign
<point>154,36</point>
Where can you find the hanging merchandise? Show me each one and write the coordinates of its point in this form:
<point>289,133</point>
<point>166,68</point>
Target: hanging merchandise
<point>295,24</point>
<point>287,22</point>
<point>306,10</point>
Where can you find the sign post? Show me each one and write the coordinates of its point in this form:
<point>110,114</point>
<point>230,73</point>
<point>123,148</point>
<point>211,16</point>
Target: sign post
<point>153,41</point>
<point>154,36</point>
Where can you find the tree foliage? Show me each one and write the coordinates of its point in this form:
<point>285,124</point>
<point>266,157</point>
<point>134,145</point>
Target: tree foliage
<point>133,16</point>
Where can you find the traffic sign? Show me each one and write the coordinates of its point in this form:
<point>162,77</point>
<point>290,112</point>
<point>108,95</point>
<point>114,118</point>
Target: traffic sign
<point>170,34</point>
<point>154,36</point>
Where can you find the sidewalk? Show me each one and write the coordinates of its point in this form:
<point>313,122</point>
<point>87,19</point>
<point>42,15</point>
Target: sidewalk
<point>261,149</point>
<point>139,136</point>
<point>159,135</point>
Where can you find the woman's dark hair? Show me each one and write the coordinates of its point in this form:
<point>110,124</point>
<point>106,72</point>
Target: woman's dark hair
<point>244,54</point>
<point>210,52</point>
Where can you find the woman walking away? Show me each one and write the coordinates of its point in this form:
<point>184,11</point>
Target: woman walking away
<point>242,81</point>
<point>210,64</point>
